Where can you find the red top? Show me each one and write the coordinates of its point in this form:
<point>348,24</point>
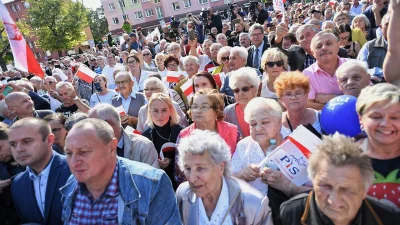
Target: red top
<point>243,125</point>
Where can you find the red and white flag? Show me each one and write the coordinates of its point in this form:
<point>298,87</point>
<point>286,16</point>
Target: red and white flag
<point>173,76</point>
<point>86,74</point>
<point>187,88</point>
<point>121,110</point>
<point>131,130</point>
<point>219,78</point>
<point>23,56</point>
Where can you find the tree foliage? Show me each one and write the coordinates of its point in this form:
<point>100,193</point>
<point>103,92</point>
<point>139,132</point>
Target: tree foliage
<point>98,23</point>
<point>58,24</point>
<point>127,27</point>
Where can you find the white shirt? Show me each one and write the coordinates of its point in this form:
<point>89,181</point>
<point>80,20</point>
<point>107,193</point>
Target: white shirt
<point>40,184</point>
<point>249,152</point>
<point>220,209</point>
<point>203,60</point>
<point>108,71</point>
<point>265,92</point>
<point>54,103</point>
<point>96,98</point>
<point>127,102</point>
<point>139,85</point>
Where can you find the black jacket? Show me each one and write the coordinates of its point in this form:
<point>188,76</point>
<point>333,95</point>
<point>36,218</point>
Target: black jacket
<point>262,16</point>
<point>302,209</point>
<point>251,52</point>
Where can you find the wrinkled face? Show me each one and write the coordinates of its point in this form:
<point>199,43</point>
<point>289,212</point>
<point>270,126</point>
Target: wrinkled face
<point>359,23</point>
<point>191,67</point>
<point>159,61</point>
<point>328,26</point>
<point>100,60</point>
<point>59,132</point>
<point>325,48</point>
<point>341,20</point>
<point>206,48</point>
<point>28,146</point>
<point>244,41</point>
<point>124,83</point>
<point>147,55</point>
<point>5,151</point>
<point>159,112</point>
<point>202,173</point>
<point>214,51</point>
<point>201,110</point>
<point>305,38</point>
<point>200,83</point>
<point>235,61</point>
<point>294,99</point>
<point>225,59</point>
<point>23,106</point>
<point>381,122</point>
<point>87,155</point>
<point>256,37</point>
<point>222,40</point>
<point>353,80</point>
<point>264,126</point>
<point>101,81</point>
<point>339,191</point>
<point>36,84</point>
<point>175,50</point>
<point>172,66</point>
<point>150,88</point>
<point>277,68</point>
<point>244,92</point>
<point>65,94</point>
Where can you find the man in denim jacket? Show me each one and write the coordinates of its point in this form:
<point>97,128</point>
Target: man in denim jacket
<point>106,189</point>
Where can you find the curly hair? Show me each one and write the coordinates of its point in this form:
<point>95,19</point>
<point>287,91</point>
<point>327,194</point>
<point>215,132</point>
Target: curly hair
<point>170,58</point>
<point>291,80</point>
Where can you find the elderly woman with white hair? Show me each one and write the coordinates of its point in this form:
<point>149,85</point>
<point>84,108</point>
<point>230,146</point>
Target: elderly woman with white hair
<point>222,39</point>
<point>378,108</point>
<point>152,86</point>
<point>191,65</point>
<point>214,49</point>
<point>362,22</point>
<point>273,63</point>
<point>244,83</point>
<point>223,61</point>
<point>237,60</point>
<point>211,195</point>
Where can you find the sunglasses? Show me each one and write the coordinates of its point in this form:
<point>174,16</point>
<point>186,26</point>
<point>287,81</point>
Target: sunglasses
<point>272,64</point>
<point>223,59</point>
<point>146,54</point>
<point>243,89</point>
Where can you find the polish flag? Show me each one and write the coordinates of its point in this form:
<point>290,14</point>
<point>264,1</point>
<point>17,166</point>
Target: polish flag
<point>187,88</point>
<point>131,130</point>
<point>85,74</point>
<point>219,78</point>
<point>173,76</point>
<point>332,2</point>
<point>121,110</point>
<point>23,56</point>
<point>210,70</point>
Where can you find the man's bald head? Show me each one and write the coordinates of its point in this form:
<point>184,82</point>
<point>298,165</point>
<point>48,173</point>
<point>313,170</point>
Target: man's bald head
<point>14,97</point>
<point>20,103</point>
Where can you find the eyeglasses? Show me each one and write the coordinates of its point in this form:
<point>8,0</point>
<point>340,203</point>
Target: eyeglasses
<point>55,130</point>
<point>255,35</point>
<point>132,62</point>
<point>151,89</point>
<point>122,82</point>
<point>272,64</point>
<point>223,59</point>
<point>290,95</point>
<point>243,89</point>
<point>50,82</point>
<point>202,108</point>
<point>146,54</point>
<point>172,65</point>
<point>345,38</point>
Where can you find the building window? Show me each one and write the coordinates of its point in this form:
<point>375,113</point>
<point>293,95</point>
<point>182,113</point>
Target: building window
<point>227,1</point>
<point>203,1</point>
<point>157,1</point>
<point>187,3</point>
<point>111,7</point>
<point>145,0</point>
<point>139,15</point>
<point>121,3</point>
<point>159,13</point>
<point>27,5</point>
<point>17,7</point>
<point>125,17</point>
<point>115,20</point>
<point>13,8</point>
<point>134,2</point>
<point>175,6</point>
<point>148,12</point>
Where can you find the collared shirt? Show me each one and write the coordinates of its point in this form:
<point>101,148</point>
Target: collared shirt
<point>103,210</point>
<point>260,52</point>
<point>127,102</point>
<point>40,184</point>
<point>108,71</point>
<point>309,60</point>
<point>139,85</point>
<point>356,9</point>
<point>321,82</point>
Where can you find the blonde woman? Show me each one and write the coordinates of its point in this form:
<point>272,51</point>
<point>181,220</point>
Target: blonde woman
<point>162,120</point>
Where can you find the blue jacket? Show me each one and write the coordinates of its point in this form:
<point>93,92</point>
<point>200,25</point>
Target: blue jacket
<point>24,198</point>
<point>146,195</point>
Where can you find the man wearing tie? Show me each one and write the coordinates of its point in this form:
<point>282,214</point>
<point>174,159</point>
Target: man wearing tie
<point>259,45</point>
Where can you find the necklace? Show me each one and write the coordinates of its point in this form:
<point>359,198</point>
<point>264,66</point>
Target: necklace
<point>167,139</point>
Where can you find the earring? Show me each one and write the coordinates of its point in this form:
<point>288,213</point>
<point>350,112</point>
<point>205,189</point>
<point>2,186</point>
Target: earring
<point>361,127</point>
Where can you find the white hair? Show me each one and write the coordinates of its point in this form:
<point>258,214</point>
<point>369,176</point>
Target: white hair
<point>270,106</point>
<point>244,34</point>
<point>190,58</point>
<point>247,74</point>
<point>241,51</point>
<point>256,26</point>
<point>221,35</point>
<point>222,51</point>
<point>36,78</point>
<point>64,84</point>
<point>200,141</point>
<point>351,64</point>
<point>361,16</point>
<point>158,83</point>
<point>106,112</point>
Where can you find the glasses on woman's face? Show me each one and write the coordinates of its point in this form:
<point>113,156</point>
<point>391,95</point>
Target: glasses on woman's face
<point>243,89</point>
<point>201,108</point>
<point>172,65</point>
<point>132,62</point>
<point>223,59</point>
<point>290,95</point>
<point>345,38</point>
<point>277,63</point>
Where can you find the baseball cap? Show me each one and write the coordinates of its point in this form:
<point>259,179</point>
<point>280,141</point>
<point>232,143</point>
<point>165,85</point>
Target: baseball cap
<point>132,35</point>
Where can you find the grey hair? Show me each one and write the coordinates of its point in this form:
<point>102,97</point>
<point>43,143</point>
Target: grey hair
<point>123,73</point>
<point>244,34</point>
<point>377,93</point>
<point>256,26</point>
<point>269,105</point>
<point>158,83</point>
<point>304,27</point>
<point>73,119</point>
<point>222,51</point>
<point>36,78</point>
<point>350,65</point>
<point>216,44</point>
<point>364,17</point>
<point>3,107</point>
<point>221,35</point>
<point>247,74</point>
<point>339,151</point>
<point>207,41</point>
<point>191,58</point>
<point>103,130</point>
<point>64,84</point>
<point>200,141</point>
<point>241,51</point>
<point>107,113</point>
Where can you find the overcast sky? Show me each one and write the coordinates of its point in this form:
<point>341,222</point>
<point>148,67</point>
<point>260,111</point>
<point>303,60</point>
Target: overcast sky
<point>88,3</point>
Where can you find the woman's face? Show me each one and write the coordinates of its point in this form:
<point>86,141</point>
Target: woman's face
<point>100,60</point>
<point>59,132</point>
<point>294,99</point>
<point>277,66</point>
<point>341,19</point>
<point>359,23</point>
<point>344,38</point>
<point>382,123</point>
<point>222,40</point>
<point>201,110</point>
<point>101,81</point>
<point>263,126</point>
<point>203,175</point>
<point>133,64</point>
<point>149,89</point>
<point>160,62</point>
<point>244,92</point>
<point>214,51</point>
<point>200,83</point>
<point>175,50</point>
<point>172,66</point>
<point>159,113</point>
<point>225,59</point>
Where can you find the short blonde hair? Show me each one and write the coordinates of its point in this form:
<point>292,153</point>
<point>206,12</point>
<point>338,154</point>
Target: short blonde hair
<point>378,93</point>
<point>223,50</point>
<point>245,73</point>
<point>276,55</point>
<point>338,150</point>
<point>164,98</point>
<point>269,105</point>
<point>291,80</point>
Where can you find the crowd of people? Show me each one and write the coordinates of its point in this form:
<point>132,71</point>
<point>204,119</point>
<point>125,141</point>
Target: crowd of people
<point>172,130</point>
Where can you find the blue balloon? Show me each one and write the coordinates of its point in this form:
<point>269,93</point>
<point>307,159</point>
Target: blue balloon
<point>339,115</point>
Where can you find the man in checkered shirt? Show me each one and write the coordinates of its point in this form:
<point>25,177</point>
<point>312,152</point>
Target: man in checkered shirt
<point>106,189</point>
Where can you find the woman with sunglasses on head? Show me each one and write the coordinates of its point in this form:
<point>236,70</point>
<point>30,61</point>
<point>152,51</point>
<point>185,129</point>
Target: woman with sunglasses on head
<point>102,94</point>
<point>273,62</point>
<point>244,82</point>
<point>135,71</point>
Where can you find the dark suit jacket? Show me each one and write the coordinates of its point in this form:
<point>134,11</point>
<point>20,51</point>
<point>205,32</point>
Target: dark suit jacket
<point>24,198</point>
<point>251,52</point>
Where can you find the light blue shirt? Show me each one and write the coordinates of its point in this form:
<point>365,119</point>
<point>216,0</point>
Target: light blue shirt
<point>121,141</point>
<point>127,102</point>
<point>260,48</point>
<point>356,10</point>
<point>40,184</point>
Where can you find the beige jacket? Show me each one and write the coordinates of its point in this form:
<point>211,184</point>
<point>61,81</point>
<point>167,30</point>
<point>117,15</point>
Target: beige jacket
<point>140,149</point>
<point>248,205</point>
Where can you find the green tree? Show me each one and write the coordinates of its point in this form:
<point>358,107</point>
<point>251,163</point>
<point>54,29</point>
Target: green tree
<point>98,23</point>
<point>59,24</point>
<point>127,27</point>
